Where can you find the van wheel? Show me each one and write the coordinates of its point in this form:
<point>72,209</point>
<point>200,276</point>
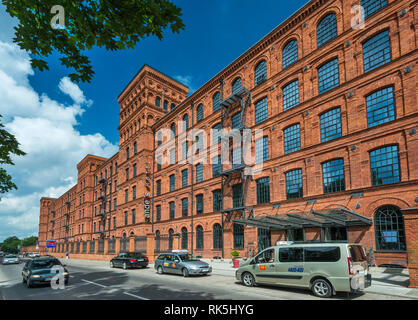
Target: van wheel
<point>248,279</point>
<point>321,288</point>
<point>111,264</point>
<point>160,270</point>
<point>185,272</point>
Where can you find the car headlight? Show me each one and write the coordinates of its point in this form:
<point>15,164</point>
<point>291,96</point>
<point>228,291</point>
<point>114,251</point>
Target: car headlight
<point>66,273</point>
<point>35,276</point>
<point>194,267</point>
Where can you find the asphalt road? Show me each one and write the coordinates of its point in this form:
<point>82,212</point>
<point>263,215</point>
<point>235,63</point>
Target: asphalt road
<point>102,283</point>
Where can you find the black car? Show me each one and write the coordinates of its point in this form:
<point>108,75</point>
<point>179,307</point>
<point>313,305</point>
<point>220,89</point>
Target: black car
<point>39,271</point>
<point>131,260</point>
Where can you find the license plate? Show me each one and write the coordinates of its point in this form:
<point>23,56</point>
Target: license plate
<point>47,279</point>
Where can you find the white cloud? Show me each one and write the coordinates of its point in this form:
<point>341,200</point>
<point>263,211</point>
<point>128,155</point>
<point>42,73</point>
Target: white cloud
<point>186,80</point>
<point>46,130</point>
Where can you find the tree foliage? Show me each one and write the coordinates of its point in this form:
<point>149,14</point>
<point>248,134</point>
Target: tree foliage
<point>11,244</point>
<point>112,24</point>
<point>8,146</point>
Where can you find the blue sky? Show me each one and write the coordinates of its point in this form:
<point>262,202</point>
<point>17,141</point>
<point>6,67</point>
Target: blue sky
<point>58,122</point>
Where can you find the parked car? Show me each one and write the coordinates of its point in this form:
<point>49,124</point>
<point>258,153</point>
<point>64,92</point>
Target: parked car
<point>181,263</point>
<point>324,268</point>
<point>33,255</point>
<point>129,260</point>
<point>39,270</point>
<point>10,259</point>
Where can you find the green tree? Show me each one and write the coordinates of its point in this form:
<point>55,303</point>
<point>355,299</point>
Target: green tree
<point>10,244</point>
<point>113,24</point>
<point>29,241</point>
<point>8,146</point>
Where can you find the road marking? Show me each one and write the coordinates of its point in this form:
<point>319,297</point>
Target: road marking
<point>135,296</point>
<point>97,284</point>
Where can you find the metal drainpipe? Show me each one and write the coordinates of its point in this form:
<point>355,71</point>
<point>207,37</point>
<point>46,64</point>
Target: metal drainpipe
<point>222,186</point>
<point>192,191</point>
<point>152,181</point>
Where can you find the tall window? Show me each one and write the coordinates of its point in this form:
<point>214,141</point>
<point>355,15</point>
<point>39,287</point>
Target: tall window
<point>135,151</point>
<point>172,182</point>
<point>291,139</point>
<point>185,207</point>
<point>260,73</point>
<point>173,156</point>
<point>294,186</point>
<point>126,195</point>
<point>133,192</point>
<point>184,238</point>
<point>216,101</point>
<point>217,200</point>
<point>159,163</point>
<point>173,131</point>
<point>328,76</point>
<point>261,111</point>
<point>133,217</point>
<point>158,187</point>
<point>172,107</point>
<point>165,105</point>
<point>238,236</point>
<point>199,204</point>
<point>184,178</point>
<point>237,195</point>
<point>327,29</point>
<point>389,229</point>
<point>216,166</point>
<point>236,85</point>
<point>262,150</point>
<point>126,218</point>
<point>384,163</point>
<point>158,102</point>
<point>216,134</point>
<point>199,173</point>
<point>185,148</point>
<point>236,157</point>
<point>291,95</point>
<point>372,6</point>
<point>185,122</point>
<point>134,170</point>
<point>127,153</point>
<point>236,121</point>
<point>330,125</point>
<point>158,212</point>
<point>290,54</point>
<point>127,174</point>
<point>263,190</point>
<point>199,143</point>
<point>380,107</point>
<point>376,51</point>
<point>172,210</point>
<point>333,176</point>
<point>217,237</point>
<point>199,237</point>
<point>199,113</point>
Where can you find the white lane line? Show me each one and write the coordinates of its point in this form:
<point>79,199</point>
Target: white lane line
<point>135,296</point>
<point>97,284</point>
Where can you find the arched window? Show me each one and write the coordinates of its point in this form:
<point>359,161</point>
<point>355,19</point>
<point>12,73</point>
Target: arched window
<point>260,73</point>
<point>327,29</point>
<point>216,101</point>
<point>185,122</point>
<point>158,101</point>
<point>236,85</point>
<point>173,131</point>
<point>170,239</point>
<point>199,237</point>
<point>173,106</point>
<point>165,105</point>
<point>184,239</point>
<point>157,240</point>
<point>199,113</point>
<point>389,228</point>
<point>217,237</point>
<point>290,53</point>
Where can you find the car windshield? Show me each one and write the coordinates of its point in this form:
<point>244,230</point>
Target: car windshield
<point>45,264</point>
<point>188,257</point>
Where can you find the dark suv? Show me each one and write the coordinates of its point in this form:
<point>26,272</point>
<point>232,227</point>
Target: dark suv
<point>40,271</point>
<point>130,260</point>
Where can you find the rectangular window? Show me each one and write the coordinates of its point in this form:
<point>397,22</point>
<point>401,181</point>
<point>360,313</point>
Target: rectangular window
<point>372,6</point>
<point>135,148</point>
<point>184,207</point>
<point>236,157</point>
<point>216,134</point>
<point>322,254</point>
<point>114,204</point>
<point>380,107</point>
<point>333,176</point>
<point>199,173</point>
<point>133,217</point>
<point>126,195</point>
<point>376,51</point>
<point>237,195</point>
<point>294,187</point>
<point>127,153</point>
<point>114,222</point>
<point>158,187</point>
<point>330,125</point>
<point>134,193</point>
<point>158,212</point>
<point>217,200</point>
<point>159,163</point>
<point>199,204</point>
<point>261,150</point>
<point>384,163</point>
<point>328,76</point>
<point>185,148</point>
<point>172,182</point>
<point>173,156</point>
<point>134,170</point>
<point>172,210</point>
<point>291,139</point>
<point>127,174</point>
<point>263,190</point>
<point>126,218</point>
<point>216,166</point>
<point>236,121</point>
<point>290,95</point>
<point>261,111</point>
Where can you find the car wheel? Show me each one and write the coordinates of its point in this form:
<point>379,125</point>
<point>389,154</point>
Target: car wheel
<point>67,282</point>
<point>185,272</point>
<point>124,266</point>
<point>111,264</point>
<point>160,270</point>
<point>322,288</point>
<point>248,279</point>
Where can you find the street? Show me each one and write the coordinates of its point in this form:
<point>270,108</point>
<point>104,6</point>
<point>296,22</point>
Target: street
<point>96,281</point>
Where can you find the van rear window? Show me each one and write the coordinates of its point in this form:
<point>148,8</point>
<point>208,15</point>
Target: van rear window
<point>322,254</point>
<point>357,253</point>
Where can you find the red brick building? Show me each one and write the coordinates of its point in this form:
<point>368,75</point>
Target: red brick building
<point>336,107</point>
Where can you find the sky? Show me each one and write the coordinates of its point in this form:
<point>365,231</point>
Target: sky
<point>58,122</point>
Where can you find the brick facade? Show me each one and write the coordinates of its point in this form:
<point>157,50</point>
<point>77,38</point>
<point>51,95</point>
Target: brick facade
<point>143,116</point>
